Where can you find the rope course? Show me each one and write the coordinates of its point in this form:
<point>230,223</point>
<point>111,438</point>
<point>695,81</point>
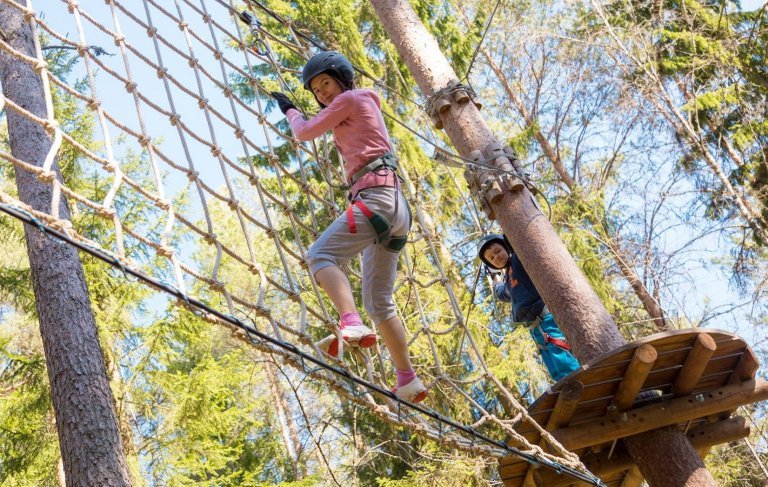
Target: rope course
<point>229,202</point>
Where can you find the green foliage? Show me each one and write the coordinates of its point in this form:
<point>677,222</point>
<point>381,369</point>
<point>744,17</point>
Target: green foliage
<point>28,448</point>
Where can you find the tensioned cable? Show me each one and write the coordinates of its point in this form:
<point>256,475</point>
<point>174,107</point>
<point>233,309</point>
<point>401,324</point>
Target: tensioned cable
<point>26,217</point>
<point>482,39</point>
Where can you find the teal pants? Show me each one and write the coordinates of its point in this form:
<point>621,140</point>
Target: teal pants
<point>559,362</point>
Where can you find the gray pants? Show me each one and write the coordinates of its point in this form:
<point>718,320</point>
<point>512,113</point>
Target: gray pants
<point>337,246</point>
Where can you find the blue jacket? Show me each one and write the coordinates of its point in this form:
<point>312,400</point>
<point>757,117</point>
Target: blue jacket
<point>518,289</point>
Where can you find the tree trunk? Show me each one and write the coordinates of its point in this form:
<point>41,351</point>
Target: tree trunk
<point>89,439</point>
<point>673,469</point>
<point>588,326</point>
<point>650,304</point>
<point>287,427</point>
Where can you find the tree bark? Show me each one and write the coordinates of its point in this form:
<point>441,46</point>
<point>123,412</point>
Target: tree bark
<point>91,450</point>
<point>584,320</point>
<point>673,469</point>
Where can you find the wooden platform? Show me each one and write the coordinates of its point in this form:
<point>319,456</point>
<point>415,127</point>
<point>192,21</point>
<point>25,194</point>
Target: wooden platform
<point>703,375</point>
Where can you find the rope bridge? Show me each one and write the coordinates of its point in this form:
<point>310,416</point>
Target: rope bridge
<point>206,196</point>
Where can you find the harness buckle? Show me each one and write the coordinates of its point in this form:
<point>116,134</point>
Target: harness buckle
<point>380,225</point>
<point>386,160</point>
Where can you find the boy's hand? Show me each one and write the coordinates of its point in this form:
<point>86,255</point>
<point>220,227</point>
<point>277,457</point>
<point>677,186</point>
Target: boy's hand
<point>283,102</point>
<point>496,276</point>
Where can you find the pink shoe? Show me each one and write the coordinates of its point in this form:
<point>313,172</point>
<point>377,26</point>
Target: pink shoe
<point>330,346</point>
<point>413,391</point>
<point>359,335</point>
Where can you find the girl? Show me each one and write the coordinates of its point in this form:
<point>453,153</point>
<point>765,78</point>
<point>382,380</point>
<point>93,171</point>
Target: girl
<point>376,222</point>
<point>515,286</point>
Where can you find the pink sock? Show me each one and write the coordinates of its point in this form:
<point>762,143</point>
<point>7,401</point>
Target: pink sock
<point>350,319</point>
<point>404,377</point>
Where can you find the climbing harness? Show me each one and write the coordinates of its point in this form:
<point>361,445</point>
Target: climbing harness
<point>387,160</point>
<point>380,224</point>
<point>558,342</point>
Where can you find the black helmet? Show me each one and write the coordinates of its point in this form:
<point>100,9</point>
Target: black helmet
<point>331,62</point>
<point>486,242</point>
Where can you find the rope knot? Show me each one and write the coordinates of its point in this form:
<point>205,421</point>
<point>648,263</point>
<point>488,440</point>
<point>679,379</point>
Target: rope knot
<point>193,61</point>
<point>183,25</point>
<point>232,203</point>
<point>164,251</point>
<point>29,16</point>
<point>202,102</point>
<point>227,92</point>
<point>72,5</point>
<point>47,176</point>
<point>206,18</point>
<point>217,55</point>
<point>40,66</point>
<point>193,175</point>
<point>130,86</point>
<point>144,140</point>
<point>216,151</point>
<point>239,133</point>
<point>174,118</point>
<point>262,118</point>
<point>216,285</point>
<point>108,213</point>
<point>93,104</point>
<point>254,180</point>
<point>51,126</point>
<point>210,238</point>
<point>162,72</point>
<point>151,31</point>
<point>163,204</point>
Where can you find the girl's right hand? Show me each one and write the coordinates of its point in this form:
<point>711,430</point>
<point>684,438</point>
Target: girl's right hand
<point>283,102</point>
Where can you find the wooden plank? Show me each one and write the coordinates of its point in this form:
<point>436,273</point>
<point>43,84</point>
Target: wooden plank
<point>666,357</point>
<point>655,416</point>
<point>634,377</point>
<point>614,372</point>
<point>664,342</point>
<point>514,470</point>
<point>633,478</point>
<point>662,376</point>
<point>702,437</point>
<point>746,368</point>
<point>567,401</point>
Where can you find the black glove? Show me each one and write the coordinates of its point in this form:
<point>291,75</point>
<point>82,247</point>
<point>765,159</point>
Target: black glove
<point>283,102</point>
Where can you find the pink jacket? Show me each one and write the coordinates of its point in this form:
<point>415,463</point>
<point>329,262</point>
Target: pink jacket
<point>359,132</point>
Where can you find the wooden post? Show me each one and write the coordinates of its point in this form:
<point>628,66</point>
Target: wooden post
<point>86,423</point>
<point>591,331</point>
<point>694,365</point>
<point>634,377</point>
<point>561,415</point>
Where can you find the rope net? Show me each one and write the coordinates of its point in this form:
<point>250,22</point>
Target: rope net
<point>200,185</point>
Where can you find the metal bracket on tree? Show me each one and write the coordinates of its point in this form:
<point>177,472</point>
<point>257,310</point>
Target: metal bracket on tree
<point>487,184</point>
<point>439,101</point>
